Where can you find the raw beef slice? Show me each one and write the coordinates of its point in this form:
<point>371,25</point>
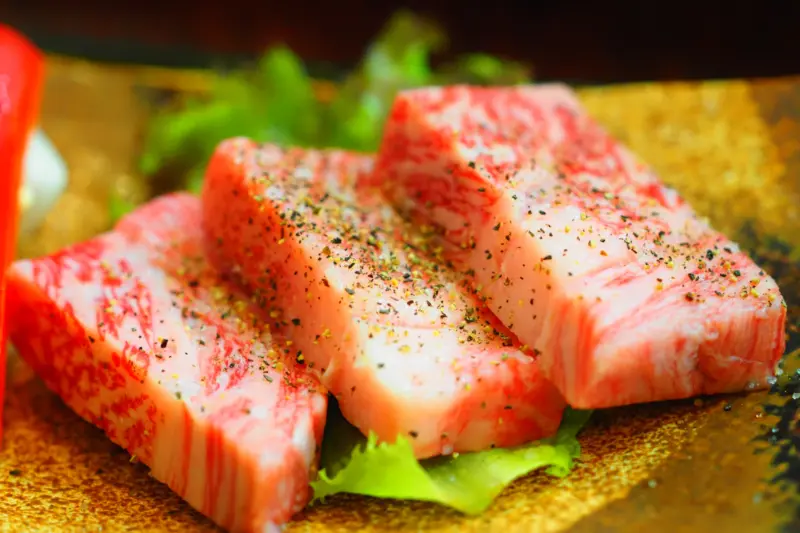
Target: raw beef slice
<point>399,339</point>
<point>581,251</point>
<point>140,337</point>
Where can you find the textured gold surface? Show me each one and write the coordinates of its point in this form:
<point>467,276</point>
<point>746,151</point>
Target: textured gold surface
<point>712,143</point>
<point>94,118</point>
<point>686,466</point>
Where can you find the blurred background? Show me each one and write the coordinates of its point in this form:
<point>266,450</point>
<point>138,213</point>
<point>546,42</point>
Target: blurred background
<point>265,65</point>
<point>577,41</point>
<point>110,138</point>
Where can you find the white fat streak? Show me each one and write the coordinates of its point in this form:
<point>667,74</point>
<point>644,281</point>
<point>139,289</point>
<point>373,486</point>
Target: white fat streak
<point>499,153</point>
<point>169,459</point>
<point>300,439</point>
<point>274,192</point>
<point>181,373</point>
<point>260,412</point>
<point>223,380</point>
<point>303,173</point>
<point>671,196</point>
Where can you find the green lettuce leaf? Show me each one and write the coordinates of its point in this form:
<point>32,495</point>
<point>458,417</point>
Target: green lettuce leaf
<point>399,58</point>
<point>468,482</point>
<point>119,207</point>
<point>275,102</point>
<point>483,69</point>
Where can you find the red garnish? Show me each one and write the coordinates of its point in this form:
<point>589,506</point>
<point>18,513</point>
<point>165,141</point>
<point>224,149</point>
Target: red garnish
<point>21,80</point>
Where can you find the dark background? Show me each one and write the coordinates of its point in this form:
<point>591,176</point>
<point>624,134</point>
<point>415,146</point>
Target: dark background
<point>601,41</point>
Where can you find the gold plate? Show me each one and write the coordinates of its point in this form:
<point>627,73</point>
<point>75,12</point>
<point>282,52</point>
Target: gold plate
<point>730,147</point>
